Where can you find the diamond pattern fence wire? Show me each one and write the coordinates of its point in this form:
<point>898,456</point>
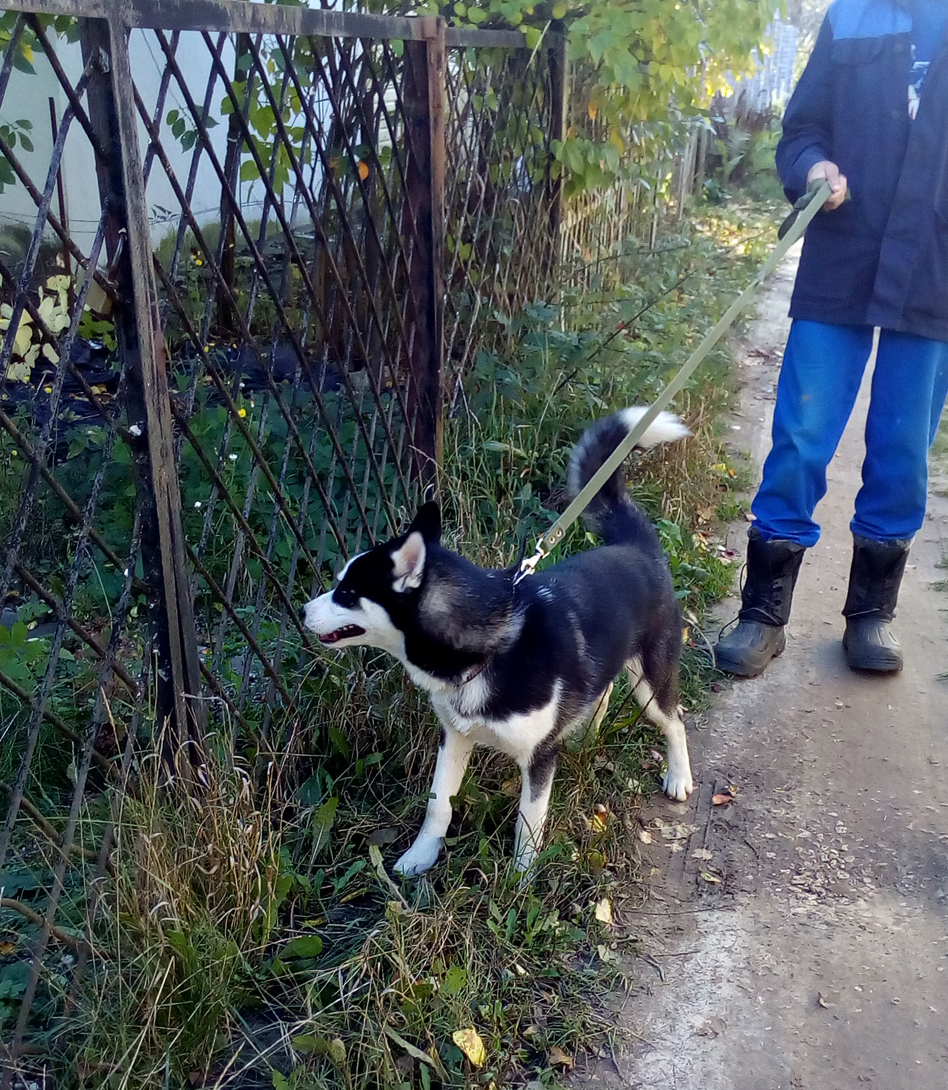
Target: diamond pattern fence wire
<point>231,263</point>
<point>502,242</point>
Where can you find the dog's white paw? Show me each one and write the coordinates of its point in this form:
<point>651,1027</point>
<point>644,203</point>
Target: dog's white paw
<point>524,867</point>
<point>421,856</point>
<point>678,785</point>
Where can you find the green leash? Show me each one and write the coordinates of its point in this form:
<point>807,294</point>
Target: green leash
<point>791,230</point>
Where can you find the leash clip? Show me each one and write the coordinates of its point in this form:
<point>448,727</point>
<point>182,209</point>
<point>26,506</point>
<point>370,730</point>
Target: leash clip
<point>529,565</point>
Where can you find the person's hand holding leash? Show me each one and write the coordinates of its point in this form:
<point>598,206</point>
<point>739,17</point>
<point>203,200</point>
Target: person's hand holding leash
<point>829,171</point>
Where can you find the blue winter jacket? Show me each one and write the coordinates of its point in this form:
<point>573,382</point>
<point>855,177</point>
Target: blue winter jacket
<point>882,257</point>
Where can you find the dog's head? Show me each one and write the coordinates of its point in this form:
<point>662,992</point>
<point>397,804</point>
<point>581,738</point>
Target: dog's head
<point>376,589</point>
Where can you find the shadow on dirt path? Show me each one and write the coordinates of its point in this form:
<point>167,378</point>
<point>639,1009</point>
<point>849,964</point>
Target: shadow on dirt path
<point>798,937</point>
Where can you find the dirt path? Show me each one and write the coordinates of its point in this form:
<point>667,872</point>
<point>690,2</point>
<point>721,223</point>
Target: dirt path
<point>816,956</point>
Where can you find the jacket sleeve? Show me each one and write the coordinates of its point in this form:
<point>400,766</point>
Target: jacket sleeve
<point>808,121</point>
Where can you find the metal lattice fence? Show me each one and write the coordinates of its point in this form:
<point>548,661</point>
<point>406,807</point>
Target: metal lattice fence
<point>231,268</point>
<point>503,199</point>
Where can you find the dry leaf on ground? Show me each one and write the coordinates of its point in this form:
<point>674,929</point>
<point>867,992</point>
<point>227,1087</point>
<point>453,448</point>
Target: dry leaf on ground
<point>677,832</point>
<point>558,1058</point>
<point>604,911</point>
<point>470,1043</point>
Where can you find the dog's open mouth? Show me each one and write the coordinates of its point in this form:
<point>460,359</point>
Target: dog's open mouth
<point>347,632</point>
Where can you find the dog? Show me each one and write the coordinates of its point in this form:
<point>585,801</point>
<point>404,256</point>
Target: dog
<point>518,664</point>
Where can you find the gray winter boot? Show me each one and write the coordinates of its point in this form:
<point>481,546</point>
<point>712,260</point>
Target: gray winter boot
<point>770,576</point>
<point>874,580</point>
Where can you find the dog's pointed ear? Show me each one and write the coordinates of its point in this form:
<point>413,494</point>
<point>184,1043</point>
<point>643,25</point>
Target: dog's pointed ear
<point>427,522</point>
<point>408,563</point>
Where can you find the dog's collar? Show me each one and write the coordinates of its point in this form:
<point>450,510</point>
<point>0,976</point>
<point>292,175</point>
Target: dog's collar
<point>472,673</point>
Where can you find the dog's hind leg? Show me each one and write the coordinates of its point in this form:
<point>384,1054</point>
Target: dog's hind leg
<point>659,704</point>
<point>537,784</point>
<point>453,756</point>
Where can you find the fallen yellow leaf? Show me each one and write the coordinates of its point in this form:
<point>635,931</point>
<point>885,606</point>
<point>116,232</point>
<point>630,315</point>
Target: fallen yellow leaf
<point>470,1043</point>
<point>604,911</point>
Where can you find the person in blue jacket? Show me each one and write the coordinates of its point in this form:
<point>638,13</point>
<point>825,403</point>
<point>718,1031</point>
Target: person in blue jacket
<point>870,115</point>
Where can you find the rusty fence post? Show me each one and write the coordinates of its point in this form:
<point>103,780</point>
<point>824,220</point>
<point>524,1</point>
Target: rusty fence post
<point>176,669</point>
<point>559,122</point>
<point>423,94</point>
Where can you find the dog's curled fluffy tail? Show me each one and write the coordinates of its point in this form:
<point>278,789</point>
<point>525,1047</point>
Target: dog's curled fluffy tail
<point>612,512</point>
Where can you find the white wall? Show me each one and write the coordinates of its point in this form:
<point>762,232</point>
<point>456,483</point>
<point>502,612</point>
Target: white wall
<point>28,97</point>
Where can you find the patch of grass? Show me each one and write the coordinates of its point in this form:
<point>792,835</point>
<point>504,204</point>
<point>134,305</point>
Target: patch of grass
<point>940,446</point>
<point>730,509</point>
<point>939,459</point>
<point>250,932</point>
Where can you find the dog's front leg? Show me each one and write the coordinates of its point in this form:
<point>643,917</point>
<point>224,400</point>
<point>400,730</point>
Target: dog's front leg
<point>453,756</point>
<point>537,783</point>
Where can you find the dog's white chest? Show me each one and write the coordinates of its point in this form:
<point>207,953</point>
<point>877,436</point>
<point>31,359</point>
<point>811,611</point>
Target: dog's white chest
<point>517,734</point>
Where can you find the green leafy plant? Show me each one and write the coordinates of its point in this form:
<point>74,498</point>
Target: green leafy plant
<point>18,133</point>
<point>184,130</point>
<point>20,657</point>
<point>15,133</point>
<point>640,68</point>
<point>29,343</point>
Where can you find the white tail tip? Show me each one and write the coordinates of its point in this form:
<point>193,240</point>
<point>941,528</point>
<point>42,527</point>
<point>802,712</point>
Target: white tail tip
<point>665,428</point>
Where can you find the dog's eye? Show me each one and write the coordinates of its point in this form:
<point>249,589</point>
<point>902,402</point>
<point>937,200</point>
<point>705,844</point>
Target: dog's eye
<point>345,597</point>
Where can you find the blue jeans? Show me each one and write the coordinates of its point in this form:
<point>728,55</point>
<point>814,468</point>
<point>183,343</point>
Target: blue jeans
<point>822,369</point>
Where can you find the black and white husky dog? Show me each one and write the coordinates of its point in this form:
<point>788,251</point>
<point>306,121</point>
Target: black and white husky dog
<point>518,665</point>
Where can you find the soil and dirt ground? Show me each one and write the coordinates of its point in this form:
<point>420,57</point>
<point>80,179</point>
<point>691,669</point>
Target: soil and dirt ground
<point>797,938</point>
